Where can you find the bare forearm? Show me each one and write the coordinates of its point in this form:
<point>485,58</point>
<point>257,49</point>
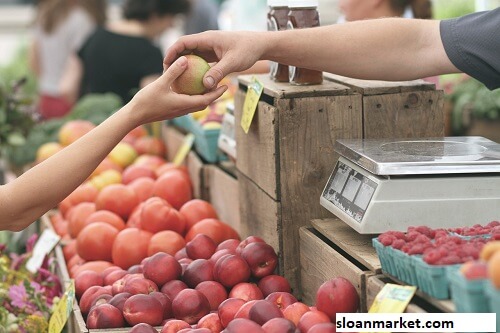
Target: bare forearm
<point>383,49</point>
<point>41,188</point>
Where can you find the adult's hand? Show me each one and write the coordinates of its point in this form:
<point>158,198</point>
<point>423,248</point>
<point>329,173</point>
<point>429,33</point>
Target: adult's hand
<point>231,52</point>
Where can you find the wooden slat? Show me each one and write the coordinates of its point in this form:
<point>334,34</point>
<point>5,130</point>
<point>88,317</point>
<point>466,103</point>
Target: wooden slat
<point>173,140</point>
<point>195,170</point>
<point>223,193</point>
<point>308,128</point>
<point>404,115</point>
<point>286,90</point>
<point>374,87</point>
<point>320,262</point>
<point>257,150</point>
<point>356,245</point>
<point>373,286</point>
<point>260,214</point>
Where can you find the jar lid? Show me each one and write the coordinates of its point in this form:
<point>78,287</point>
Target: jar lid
<point>277,3</point>
<point>302,3</point>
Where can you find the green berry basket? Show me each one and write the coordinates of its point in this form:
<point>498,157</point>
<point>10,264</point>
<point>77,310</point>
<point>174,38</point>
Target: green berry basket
<point>432,279</point>
<point>468,295</point>
<point>493,297</point>
<point>386,257</point>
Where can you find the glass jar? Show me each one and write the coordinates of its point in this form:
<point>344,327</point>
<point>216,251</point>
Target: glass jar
<point>277,19</point>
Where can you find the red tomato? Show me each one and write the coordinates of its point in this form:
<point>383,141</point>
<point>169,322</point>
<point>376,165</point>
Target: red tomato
<point>95,241</point>
<point>117,198</point>
<point>143,188</point>
<point>166,241</point>
<point>196,210</point>
<point>130,247</point>
<point>174,188</point>
<point>77,217</point>
<point>213,228</point>
<point>157,215</point>
<point>107,217</point>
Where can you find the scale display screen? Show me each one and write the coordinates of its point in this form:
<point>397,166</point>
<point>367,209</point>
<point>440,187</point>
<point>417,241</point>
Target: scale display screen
<point>350,191</point>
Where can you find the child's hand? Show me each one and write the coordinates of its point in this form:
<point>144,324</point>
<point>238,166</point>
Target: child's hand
<point>157,101</point>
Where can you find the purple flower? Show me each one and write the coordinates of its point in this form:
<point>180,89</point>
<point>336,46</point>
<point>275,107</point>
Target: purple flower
<point>18,296</point>
<point>30,243</point>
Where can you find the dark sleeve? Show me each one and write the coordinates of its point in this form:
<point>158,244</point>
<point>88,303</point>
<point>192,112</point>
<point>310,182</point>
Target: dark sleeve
<point>152,62</point>
<point>472,43</point>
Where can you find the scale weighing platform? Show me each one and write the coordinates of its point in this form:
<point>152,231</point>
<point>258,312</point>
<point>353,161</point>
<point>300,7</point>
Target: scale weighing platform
<point>381,185</point>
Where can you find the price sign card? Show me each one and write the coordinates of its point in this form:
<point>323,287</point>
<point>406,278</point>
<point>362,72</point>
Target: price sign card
<point>250,105</point>
<point>43,246</point>
<point>184,149</point>
<point>62,310</point>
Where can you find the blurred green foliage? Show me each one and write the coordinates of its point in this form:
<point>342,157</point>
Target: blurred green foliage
<point>445,9</point>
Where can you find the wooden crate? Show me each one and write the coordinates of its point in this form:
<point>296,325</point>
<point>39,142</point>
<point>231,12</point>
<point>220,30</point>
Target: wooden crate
<point>287,156</point>
<point>285,159</point>
<point>409,109</point>
<point>223,193</point>
<point>321,261</point>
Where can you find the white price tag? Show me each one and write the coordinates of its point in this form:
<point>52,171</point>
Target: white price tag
<point>43,246</point>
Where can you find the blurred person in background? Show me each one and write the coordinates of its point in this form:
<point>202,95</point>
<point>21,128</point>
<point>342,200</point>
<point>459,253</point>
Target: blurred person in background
<point>122,57</point>
<point>61,27</point>
<point>202,17</point>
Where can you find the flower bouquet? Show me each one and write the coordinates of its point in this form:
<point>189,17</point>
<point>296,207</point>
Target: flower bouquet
<point>26,299</point>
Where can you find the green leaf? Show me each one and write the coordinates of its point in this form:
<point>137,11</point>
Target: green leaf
<point>16,139</point>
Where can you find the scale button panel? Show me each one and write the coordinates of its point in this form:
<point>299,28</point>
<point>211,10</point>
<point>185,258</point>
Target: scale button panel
<point>350,191</point>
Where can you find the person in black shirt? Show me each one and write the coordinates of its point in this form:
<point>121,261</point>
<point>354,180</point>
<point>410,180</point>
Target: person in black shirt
<point>121,57</point>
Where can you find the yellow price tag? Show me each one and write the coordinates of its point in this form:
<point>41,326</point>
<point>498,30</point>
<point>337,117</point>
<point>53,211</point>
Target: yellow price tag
<point>63,310</point>
<point>183,151</point>
<point>393,298</point>
<point>250,105</point>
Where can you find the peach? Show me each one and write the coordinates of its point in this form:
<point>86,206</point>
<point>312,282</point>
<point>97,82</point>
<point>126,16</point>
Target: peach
<point>172,288</point>
<point>244,311</point>
<point>241,325</point>
<point>174,326</point>
<point>273,283</point>
<point>143,188</point>
<point>85,280</point>
<point>143,328</point>
<point>295,311</point>
<point>118,300</point>
<point>229,244</point>
<point>246,241</point>
<point>214,292</point>
<point>323,328</point>
<point>109,270</point>
<point>219,254</point>
<point>134,269</point>
<point>140,286</point>
<point>201,247</point>
<point>159,215</point>
<point>134,172</point>
<point>167,241</point>
<point>150,161</point>
<point>337,295</point>
<point>162,268</point>
<point>181,254</point>
<point>89,296</point>
<point>263,311</point>
<point>196,330</point>
<point>143,309</point>
<point>230,270</point>
<point>281,299</point>
<point>228,309</point>
<point>280,325</point>
<point>114,276</point>
<point>165,302</point>
<point>101,299</point>
<point>311,318</point>
<point>246,291</point>
<point>196,210</point>
<point>105,316</point>
<point>261,258</point>
<point>198,271</point>
<point>212,322</point>
<point>73,130</point>
<point>190,305</point>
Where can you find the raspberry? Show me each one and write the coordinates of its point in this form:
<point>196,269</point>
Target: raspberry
<point>432,257</point>
<point>398,244</point>
<point>385,239</point>
<point>425,230</point>
<point>493,224</point>
<point>412,235</point>
<point>451,259</point>
<point>416,249</point>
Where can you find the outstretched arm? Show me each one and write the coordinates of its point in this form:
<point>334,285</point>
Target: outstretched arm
<point>383,49</point>
<point>25,199</point>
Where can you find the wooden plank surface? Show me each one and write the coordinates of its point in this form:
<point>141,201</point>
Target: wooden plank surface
<point>319,262</point>
<point>286,90</point>
<point>223,193</point>
<point>404,115</point>
<point>373,286</point>
<point>196,173</point>
<point>374,87</point>
<point>308,128</point>
<point>357,245</point>
<point>260,214</point>
<point>257,150</point>
<point>173,140</point>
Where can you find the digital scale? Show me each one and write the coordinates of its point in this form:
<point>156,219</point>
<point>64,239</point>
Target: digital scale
<point>381,185</point>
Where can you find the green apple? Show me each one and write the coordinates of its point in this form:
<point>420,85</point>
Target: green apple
<point>191,81</point>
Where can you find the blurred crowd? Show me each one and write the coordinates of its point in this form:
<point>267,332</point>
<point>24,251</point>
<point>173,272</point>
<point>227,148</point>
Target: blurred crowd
<point>78,48</point>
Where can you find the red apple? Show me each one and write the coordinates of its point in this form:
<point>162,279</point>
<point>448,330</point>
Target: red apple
<point>135,269</point>
<point>118,301</point>
<point>143,328</point>
<point>172,288</point>
<point>246,291</point>
<point>244,311</point>
<point>174,326</point>
<point>311,318</point>
<point>281,299</point>
<point>246,241</point>
<point>200,247</point>
<point>242,325</point>
<point>181,254</point>
<point>261,258</point>
<point>140,286</point>
<point>229,244</point>
<point>212,322</point>
<point>89,296</point>
<point>272,283</point>
<point>228,309</point>
<point>337,296</point>
<point>190,305</point>
<point>295,311</point>
<point>162,268</point>
<point>263,311</point>
<point>214,292</point>
<point>105,316</point>
<point>114,276</point>
<point>231,270</point>
<point>280,325</point>
<point>143,309</point>
<point>198,271</point>
<point>165,302</point>
<point>86,279</point>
